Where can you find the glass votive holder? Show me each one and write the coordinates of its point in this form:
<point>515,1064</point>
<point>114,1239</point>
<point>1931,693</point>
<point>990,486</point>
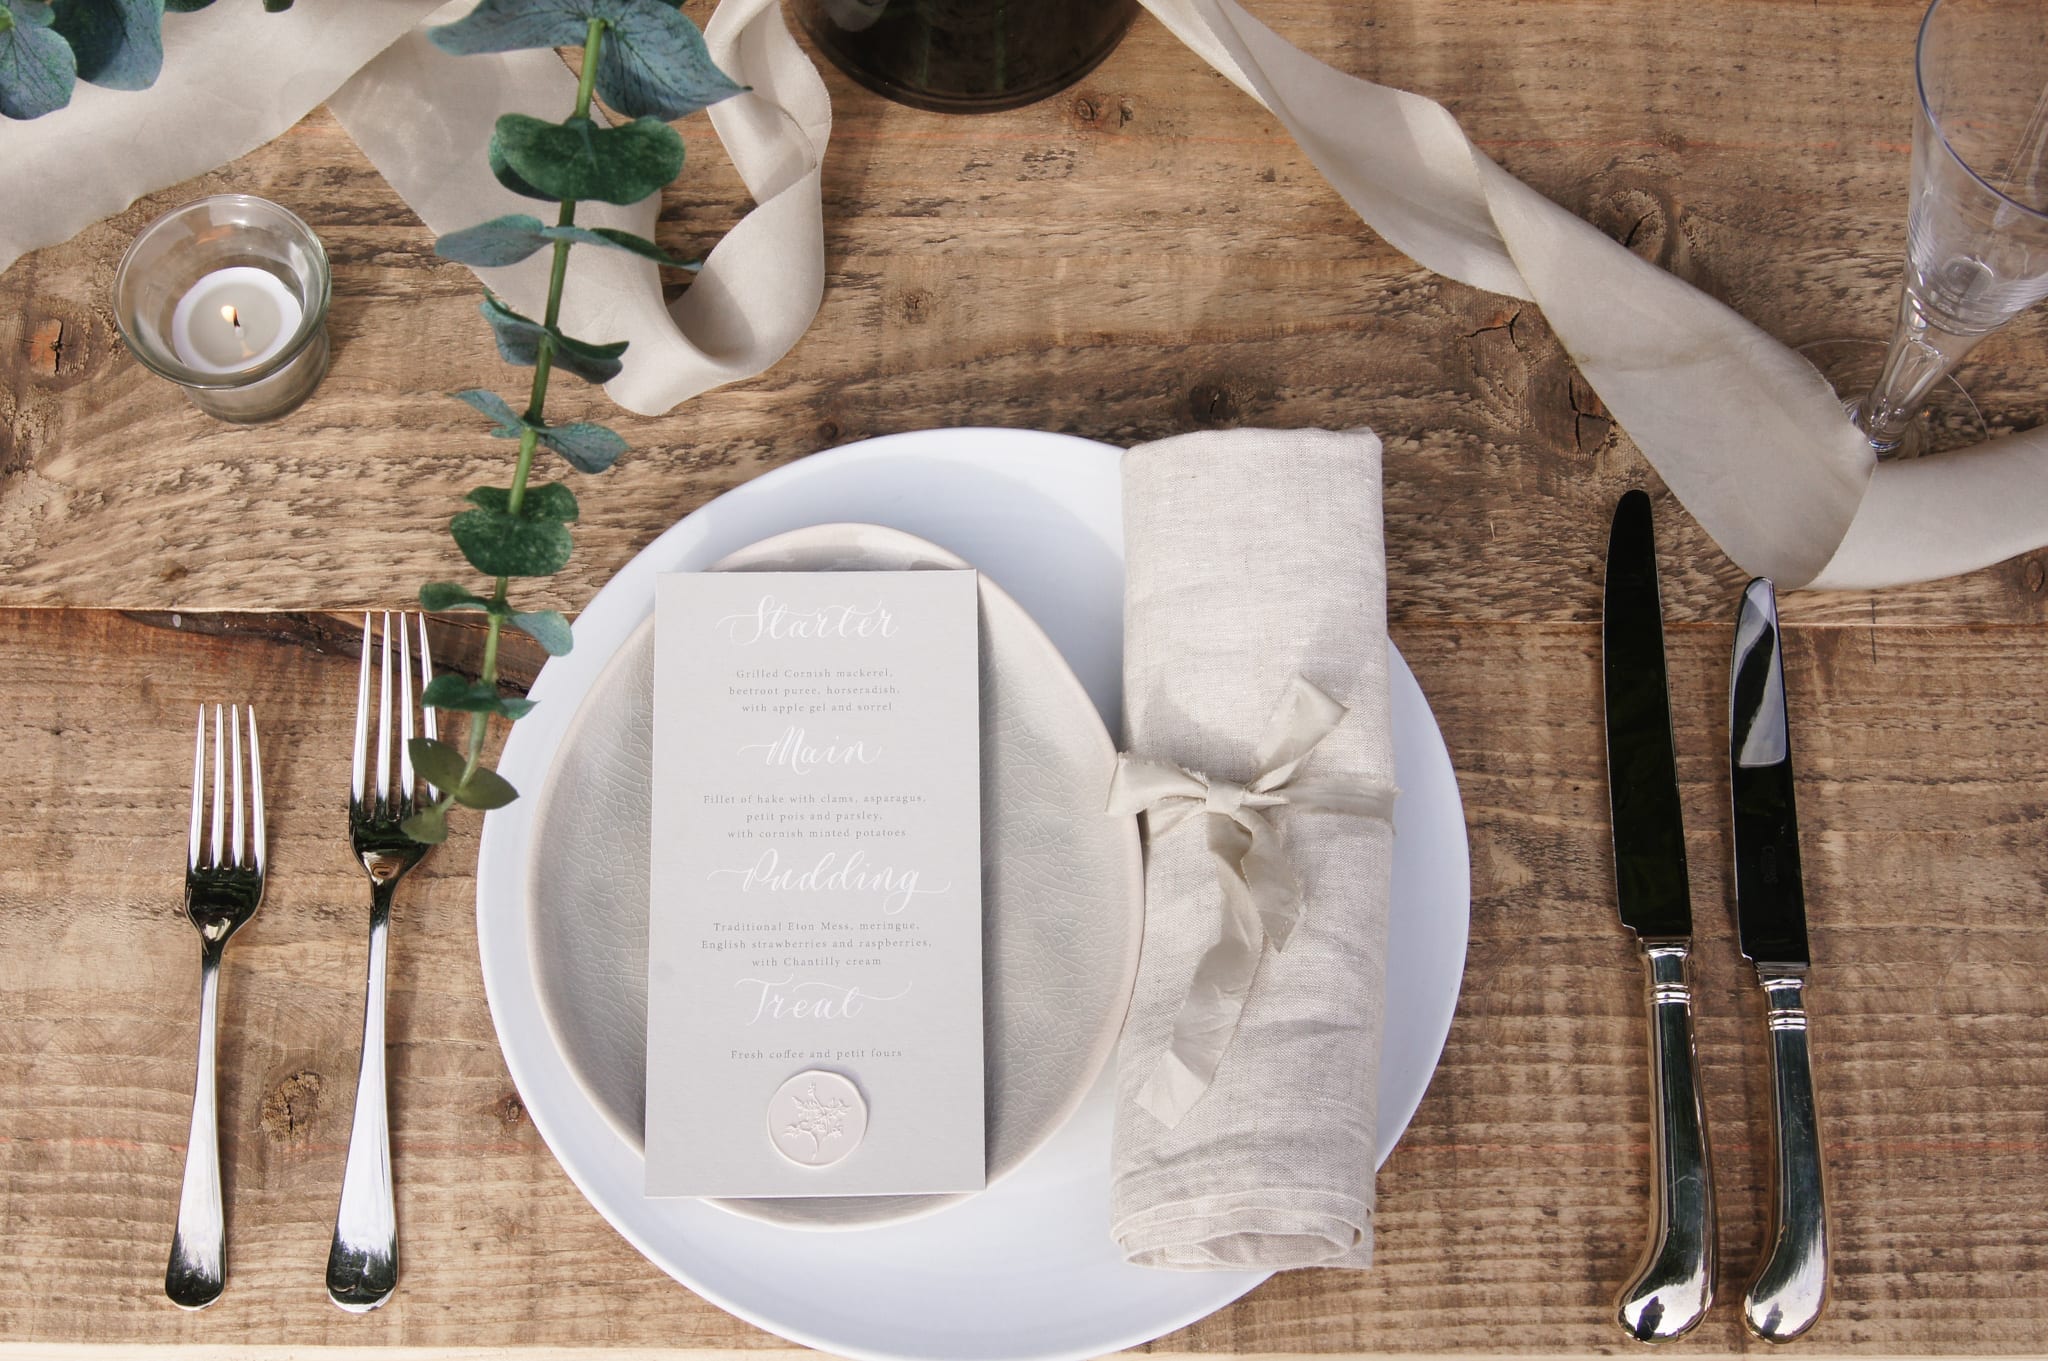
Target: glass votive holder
<point>227,297</point>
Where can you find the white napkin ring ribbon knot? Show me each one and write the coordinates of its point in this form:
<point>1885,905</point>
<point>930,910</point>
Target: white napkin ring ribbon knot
<point>1261,897</point>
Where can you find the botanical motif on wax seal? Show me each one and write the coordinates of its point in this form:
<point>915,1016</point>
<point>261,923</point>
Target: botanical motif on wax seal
<point>816,1118</point>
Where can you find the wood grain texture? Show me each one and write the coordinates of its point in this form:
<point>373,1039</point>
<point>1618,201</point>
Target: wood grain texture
<point>1519,1194</point>
<point>1145,255</point>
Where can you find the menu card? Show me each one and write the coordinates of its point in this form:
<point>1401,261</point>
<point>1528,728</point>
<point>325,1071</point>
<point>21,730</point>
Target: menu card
<point>814,1022</point>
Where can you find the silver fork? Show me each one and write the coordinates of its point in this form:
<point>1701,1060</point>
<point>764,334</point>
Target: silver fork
<point>221,893</point>
<point>362,1263</point>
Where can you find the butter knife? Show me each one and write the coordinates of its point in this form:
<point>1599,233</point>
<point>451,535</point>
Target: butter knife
<point>1770,905</point>
<point>1674,1283</point>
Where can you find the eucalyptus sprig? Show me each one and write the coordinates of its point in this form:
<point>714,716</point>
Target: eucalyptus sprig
<point>646,60</point>
<point>48,46</point>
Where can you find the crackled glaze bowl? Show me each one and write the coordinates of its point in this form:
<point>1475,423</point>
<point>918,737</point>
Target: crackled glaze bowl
<point>1062,886</point>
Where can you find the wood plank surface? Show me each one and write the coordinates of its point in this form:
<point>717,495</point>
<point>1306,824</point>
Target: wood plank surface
<point>1144,255</point>
<point>1507,1217</point>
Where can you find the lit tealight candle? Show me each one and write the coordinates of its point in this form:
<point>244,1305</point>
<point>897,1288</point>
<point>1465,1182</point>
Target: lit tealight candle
<point>227,297</point>
<point>234,319</point>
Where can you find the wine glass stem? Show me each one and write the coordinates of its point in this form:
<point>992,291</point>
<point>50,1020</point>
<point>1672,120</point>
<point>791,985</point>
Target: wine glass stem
<point>1922,353</point>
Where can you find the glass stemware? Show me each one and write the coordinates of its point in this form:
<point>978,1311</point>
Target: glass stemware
<point>1977,226</point>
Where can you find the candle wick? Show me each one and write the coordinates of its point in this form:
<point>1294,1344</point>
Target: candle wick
<point>233,318</point>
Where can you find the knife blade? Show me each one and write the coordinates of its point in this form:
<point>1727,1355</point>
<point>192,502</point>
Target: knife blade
<point>1791,1286</point>
<point>1674,1283</point>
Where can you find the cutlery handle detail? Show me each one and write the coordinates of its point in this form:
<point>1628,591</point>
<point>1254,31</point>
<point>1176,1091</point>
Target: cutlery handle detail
<point>362,1262</point>
<point>199,1248</point>
<point>1675,1283</point>
<point>1792,1285</point>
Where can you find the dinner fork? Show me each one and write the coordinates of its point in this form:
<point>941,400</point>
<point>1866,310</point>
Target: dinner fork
<point>221,893</point>
<point>362,1262</point>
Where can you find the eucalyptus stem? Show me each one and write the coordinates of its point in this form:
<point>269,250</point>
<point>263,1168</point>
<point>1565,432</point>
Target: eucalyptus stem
<point>658,70</point>
<point>536,404</point>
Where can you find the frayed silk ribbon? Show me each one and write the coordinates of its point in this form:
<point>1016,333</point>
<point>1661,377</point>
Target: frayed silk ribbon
<point>1261,898</point>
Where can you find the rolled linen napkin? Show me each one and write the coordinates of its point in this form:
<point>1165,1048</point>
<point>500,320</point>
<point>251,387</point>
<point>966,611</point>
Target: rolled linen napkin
<point>1255,631</point>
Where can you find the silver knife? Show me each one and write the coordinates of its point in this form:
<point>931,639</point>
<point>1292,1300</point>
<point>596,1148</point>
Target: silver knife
<point>1770,904</point>
<point>1675,1282</point>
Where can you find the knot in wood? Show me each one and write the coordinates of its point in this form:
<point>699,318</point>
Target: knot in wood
<point>291,1107</point>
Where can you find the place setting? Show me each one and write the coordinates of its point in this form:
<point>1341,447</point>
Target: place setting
<point>1065,915</point>
<point>984,892</point>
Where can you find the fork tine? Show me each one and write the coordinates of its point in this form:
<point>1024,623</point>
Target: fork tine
<point>384,718</point>
<point>198,789</point>
<point>362,710</point>
<point>429,724</point>
<point>427,676</point>
<point>235,751</point>
<point>218,788</point>
<point>256,788</point>
<point>405,785</point>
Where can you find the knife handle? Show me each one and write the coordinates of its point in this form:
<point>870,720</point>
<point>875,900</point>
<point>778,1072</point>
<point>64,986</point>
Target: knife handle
<point>1792,1285</point>
<point>1675,1283</point>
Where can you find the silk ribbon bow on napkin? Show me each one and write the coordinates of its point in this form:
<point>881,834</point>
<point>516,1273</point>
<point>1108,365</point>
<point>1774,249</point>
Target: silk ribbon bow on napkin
<point>1261,900</point>
<point>1744,431</point>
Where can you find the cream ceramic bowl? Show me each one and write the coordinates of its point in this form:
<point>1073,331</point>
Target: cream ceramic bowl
<point>1062,890</point>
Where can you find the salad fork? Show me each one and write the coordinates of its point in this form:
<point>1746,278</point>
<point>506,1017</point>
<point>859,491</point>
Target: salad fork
<point>221,893</point>
<point>362,1262</point>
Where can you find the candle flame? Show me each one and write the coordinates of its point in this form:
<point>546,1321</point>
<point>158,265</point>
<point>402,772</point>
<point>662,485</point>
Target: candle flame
<point>229,315</point>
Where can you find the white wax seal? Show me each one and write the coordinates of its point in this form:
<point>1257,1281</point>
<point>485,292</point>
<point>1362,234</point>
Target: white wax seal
<point>816,1118</point>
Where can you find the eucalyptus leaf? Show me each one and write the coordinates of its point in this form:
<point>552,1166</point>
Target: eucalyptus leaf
<point>276,6</point>
<point>509,177</point>
<point>462,695</point>
<point>508,422</point>
<point>653,61</point>
<point>485,789</point>
<point>442,765</point>
<point>429,826</point>
<point>546,627</point>
<point>589,447</point>
<point>578,159</point>
<point>501,241</point>
<point>518,336</point>
<point>531,543</point>
<point>437,596</point>
<point>115,43</point>
<point>186,6</point>
<point>37,70</point>
<point>438,763</point>
<point>514,26</point>
<point>620,240</point>
<point>509,239</point>
<point>592,363</point>
<point>543,501</point>
<point>519,340</point>
<point>500,544</point>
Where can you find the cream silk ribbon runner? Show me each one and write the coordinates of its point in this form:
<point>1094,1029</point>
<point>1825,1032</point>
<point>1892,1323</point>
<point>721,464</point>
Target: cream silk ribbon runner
<point>1743,431</point>
<point>1260,899</point>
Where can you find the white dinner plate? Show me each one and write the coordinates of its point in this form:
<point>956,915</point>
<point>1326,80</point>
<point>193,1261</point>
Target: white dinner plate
<point>1025,1269</point>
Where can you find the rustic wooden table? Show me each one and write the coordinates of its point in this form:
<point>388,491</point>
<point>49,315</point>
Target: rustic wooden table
<point>1144,255</point>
